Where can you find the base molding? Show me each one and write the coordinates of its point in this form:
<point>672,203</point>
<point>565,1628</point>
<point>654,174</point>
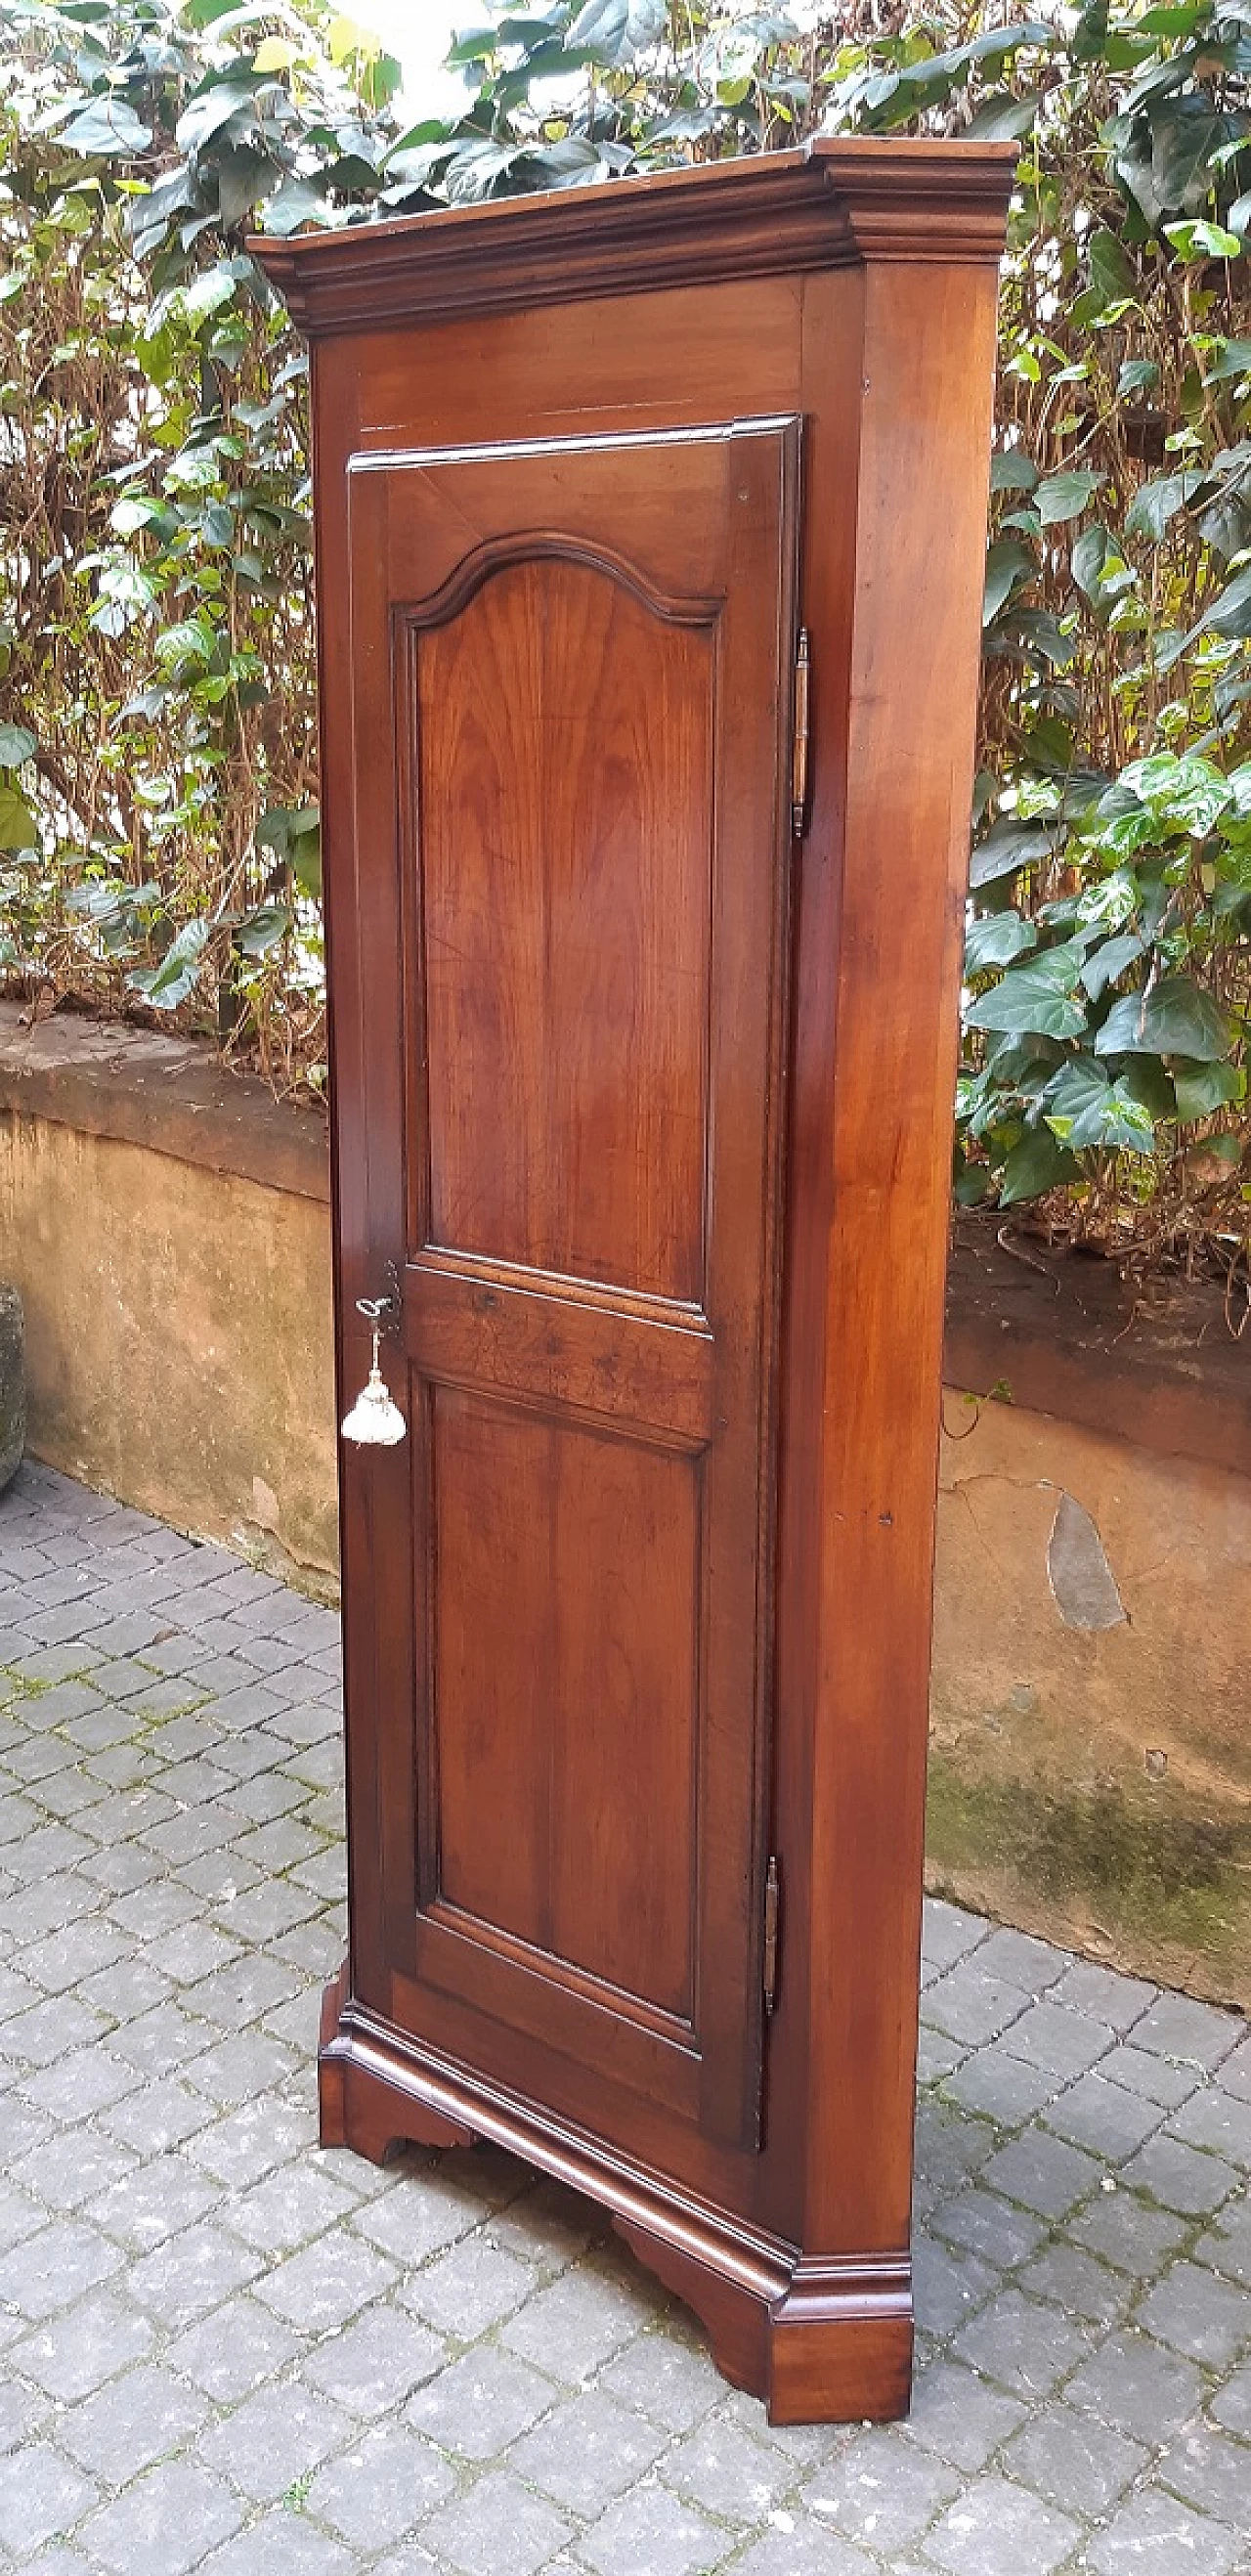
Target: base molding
<point>819,2340</point>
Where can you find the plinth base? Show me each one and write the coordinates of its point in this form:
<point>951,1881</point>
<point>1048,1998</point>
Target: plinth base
<point>818,2340</point>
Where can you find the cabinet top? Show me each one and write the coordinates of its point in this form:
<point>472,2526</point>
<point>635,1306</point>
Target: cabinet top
<point>838,201</point>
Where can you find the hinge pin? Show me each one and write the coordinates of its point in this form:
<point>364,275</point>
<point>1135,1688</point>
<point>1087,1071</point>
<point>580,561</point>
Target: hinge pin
<point>772,1899</point>
<point>799,752</point>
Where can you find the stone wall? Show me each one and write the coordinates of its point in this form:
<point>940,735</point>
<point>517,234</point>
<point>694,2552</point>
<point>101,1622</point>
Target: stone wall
<point>168,1227</point>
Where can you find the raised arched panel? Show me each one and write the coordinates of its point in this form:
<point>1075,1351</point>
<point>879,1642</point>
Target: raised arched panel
<point>563,820</point>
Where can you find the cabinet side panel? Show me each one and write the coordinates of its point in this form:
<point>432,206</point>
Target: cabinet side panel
<point>927,383</point>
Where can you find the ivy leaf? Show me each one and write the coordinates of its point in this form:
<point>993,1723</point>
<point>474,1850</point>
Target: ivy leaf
<point>1006,848</point>
<point>1137,376</point>
<point>263,929</point>
<point>1089,555</point>
<point>18,829</point>
<point>1176,1018</point>
<point>1109,961</point>
<point>996,939</point>
<point>1037,1000</point>
<point>1007,564</point>
<point>1084,1109</point>
<point>1065,496</point>
<point>1011,470</point>
<point>616,30</point>
<point>1037,1164</point>
<point>1154,504</point>
<point>1202,241</point>
<point>1184,792</point>
<point>1202,1089</point>
<point>1233,358</point>
<point>1230,614</point>
<point>17,743</point>
<point>104,127</point>
<point>168,984</point>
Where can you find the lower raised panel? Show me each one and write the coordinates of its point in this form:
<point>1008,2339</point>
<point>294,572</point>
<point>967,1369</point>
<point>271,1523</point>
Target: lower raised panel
<point>818,2341</point>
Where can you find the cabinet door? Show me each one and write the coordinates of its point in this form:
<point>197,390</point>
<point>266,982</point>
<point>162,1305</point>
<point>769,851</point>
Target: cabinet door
<point>571,671</point>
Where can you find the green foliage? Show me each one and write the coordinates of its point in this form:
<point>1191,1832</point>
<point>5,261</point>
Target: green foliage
<point>158,825</point>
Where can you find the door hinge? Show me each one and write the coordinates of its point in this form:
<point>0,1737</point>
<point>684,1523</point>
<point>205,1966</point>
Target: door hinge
<point>799,746</point>
<point>771,1905</point>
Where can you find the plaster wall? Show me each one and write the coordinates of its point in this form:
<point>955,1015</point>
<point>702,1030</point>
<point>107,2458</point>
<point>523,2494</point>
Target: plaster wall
<point>178,1330</point>
<point>1090,1767</point>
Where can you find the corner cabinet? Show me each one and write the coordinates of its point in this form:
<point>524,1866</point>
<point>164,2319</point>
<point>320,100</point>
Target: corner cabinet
<point>650,524</point>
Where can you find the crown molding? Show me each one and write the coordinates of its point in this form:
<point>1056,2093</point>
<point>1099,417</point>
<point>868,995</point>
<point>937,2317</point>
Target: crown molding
<point>840,202</point>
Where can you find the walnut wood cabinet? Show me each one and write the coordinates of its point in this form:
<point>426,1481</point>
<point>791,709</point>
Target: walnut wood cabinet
<point>649,534</point>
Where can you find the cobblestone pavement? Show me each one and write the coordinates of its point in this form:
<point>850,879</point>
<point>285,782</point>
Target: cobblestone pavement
<point>226,2351</point>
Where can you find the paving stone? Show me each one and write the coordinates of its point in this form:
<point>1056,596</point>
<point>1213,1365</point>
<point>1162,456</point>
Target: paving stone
<point>1184,2178</point>
<point>1199,2315</point>
<point>325,2285</point>
<point>969,2005</point>
<point>590,2450</point>
<point>83,2347</point>
<point>991,2227</point>
<point>1022,2345</point>
<point>650,2533</point>
<point>22,2412</point>
<point>192,2273</point>
<point>229,2365</point>
<point>155,2202</point>
<point>374,2364</point>
<point>1231,2405</point>
<point>476,2407</point>
<point>1128,2232</point>
<point>289,2208</point>
<point>1197,2033</point>
<point>249,2142</point>
<point>1153,2533</point>
<point>130,2423</point>
<point>469,2289</point>
<point>1209,2119</point>
<point>159,2116</point>
<point>40,2494</point>
<point>948,2287</point>
<point>1076,2463</point>
<point>170,2518</point>
<point>1227,2246</point>
<point>1077,2282</point>
<point>804,2546</point>
<point>937,2056</point>
<point>73,2168</point>
<point>997,2529</point>
<point>1049,2176</point>
<point>1000,2088</point>
<point>881,2490</point>
<point>374,2492</point>
<point>1234,2073</point>
<point>273,2440</point>
<point>1033,1965</point>
<point>499,2524</point>
<point>1132,2384</point>
<point>948,1933</point>
<point>670,2379</point>
<point>1065,2042</point>
<point>282,2543</point>
<point>959,2416</point>
<point>573,2325</point>
<point>52,2269</point>
<point>1211,2473</point>
<point>1105,2117</point>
